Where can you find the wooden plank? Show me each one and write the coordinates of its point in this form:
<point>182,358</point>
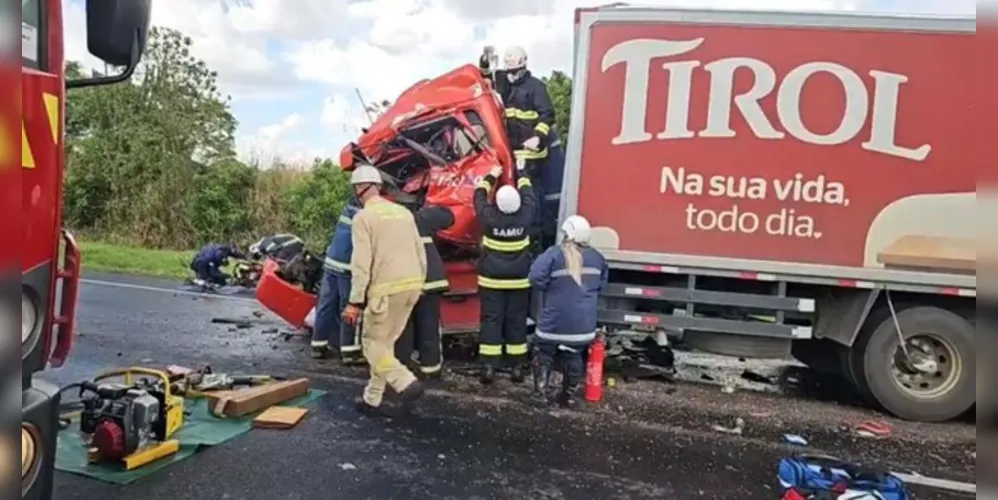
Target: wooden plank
<point>243,402</point>
<point>280,417</point>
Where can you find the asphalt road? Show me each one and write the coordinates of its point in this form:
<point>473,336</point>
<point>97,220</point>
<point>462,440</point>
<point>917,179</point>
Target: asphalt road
<point>645,440</point>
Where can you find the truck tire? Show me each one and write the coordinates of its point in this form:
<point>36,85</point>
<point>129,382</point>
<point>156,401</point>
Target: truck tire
<point>943,338</point>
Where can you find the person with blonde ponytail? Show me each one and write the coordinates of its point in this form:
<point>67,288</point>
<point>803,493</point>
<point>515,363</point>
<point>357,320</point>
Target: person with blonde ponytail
<point>569,276</point>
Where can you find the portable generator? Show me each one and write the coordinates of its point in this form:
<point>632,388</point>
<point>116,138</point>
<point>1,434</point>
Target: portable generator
<point>130,421</point>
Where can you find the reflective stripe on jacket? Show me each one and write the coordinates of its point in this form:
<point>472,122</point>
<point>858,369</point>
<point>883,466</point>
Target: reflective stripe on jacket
<point>340,246</point>
<point>529,113</point>
<point>504,263</point>
<point>388,254</point>
<point>282,247</point>
<point>430,220</point>
<point>568,310</point>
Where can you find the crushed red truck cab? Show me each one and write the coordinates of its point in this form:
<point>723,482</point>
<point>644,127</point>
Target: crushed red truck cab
<point>432,146</point>
<point>435,143</point>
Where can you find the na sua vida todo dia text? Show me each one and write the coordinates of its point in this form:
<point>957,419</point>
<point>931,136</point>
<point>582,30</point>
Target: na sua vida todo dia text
<point>784,222</point>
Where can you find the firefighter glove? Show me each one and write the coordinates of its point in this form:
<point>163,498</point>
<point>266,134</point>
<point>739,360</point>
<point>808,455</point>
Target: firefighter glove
<point>534,143</point>
<point>351,315</point>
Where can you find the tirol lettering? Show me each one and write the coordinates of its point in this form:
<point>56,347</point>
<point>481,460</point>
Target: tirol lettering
<point>509,232</point>
<point>637,55</point>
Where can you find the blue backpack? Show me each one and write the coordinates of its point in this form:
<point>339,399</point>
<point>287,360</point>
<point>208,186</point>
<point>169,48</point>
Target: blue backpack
<point>809,477</point>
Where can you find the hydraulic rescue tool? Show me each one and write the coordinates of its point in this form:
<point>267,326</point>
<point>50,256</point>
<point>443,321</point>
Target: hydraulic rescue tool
<point>131,420</point>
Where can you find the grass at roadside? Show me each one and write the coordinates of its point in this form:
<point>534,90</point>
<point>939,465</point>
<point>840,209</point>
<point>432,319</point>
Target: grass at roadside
<point>106,257</point>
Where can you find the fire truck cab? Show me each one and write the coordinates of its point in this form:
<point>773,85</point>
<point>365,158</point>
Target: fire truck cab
<point>50,259</point>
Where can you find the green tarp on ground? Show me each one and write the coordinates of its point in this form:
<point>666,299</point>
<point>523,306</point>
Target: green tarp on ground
<point>200,429</point>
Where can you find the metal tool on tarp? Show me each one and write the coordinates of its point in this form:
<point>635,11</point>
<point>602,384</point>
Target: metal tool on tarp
<point>194,383</point>
<point>130,421</point>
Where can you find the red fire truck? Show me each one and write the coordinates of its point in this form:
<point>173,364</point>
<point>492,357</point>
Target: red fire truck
<point>50,258</point>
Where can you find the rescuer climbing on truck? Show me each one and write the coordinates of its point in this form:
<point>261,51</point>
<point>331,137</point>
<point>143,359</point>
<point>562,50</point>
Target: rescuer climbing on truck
<point>503,269</point>
<point>529,124</point>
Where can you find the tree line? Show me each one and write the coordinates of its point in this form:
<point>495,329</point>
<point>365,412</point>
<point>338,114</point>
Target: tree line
<point>154,163</point>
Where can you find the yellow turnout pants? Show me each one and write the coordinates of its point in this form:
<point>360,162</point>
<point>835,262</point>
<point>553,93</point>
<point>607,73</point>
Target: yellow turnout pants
<point>384,321</point>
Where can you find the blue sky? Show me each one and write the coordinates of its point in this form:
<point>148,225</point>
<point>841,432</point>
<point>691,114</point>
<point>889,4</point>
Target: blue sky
<point>292,66</point>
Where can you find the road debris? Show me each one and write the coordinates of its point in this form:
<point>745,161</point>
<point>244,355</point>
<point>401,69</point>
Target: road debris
<point>728,389</point>
<point>874,429</point>
<point>737,430</point>
<point>794,439</point>
<point>237,323</point>
<point>348,467</point>
<point>752,376</point>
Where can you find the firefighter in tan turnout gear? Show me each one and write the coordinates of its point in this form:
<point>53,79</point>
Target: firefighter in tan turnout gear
<point>389,270</point>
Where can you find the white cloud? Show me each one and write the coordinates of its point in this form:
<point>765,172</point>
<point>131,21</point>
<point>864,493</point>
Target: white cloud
<point>279,142</point>
<point>298,19</point>
<point>264,47</point>
<point>407,40</point>
<point>341,118</point>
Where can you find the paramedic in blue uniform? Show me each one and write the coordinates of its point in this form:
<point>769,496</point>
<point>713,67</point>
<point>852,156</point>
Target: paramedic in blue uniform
<point>530,119</point>
<point>330,333</point>
<point>569,277</point>
<point>503,270</point>
<point>422,332</point>
<point>210,260</point>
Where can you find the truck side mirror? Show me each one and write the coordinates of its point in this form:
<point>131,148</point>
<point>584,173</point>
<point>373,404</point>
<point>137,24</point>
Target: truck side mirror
<point>117,31</point>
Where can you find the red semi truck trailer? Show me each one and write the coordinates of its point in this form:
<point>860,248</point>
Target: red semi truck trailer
<point>50,258</point>
<point>768,184</point>
<point>764,185</point>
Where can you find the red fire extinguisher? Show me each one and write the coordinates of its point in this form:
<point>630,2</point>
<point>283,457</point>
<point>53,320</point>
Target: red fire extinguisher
<point>594,370</point>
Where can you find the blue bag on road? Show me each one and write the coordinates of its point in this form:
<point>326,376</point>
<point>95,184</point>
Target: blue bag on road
<point>825,478</point>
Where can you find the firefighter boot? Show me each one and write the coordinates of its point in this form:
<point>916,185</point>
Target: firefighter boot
<point>372,411</point>
<point>320,352</point>
<point>542,383</point>
<point>352,359</point>
<point>409,396</point>
<point>488,375</point>
<point>571,385</point>
<point>516,375</point>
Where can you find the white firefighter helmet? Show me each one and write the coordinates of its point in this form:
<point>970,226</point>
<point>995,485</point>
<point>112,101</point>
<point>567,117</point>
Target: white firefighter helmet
<point>515,59</point>
<point>577,229</point>
<point>365,174</point>
<point>508,199</point>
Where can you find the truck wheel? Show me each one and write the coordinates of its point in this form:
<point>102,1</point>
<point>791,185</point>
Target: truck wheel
<point>937,383</point>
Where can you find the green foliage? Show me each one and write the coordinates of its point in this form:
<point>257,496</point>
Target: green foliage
<point>217,207</point>
<point>318,201</point>
<point>152,163</point>
<point>560,90</point>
